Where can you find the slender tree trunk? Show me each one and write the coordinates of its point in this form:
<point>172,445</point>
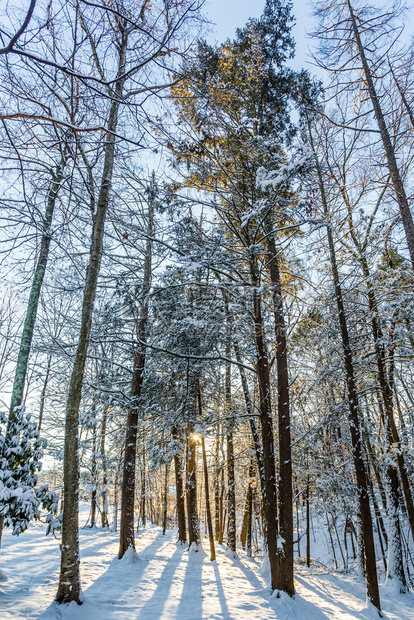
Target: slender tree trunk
<point>182,534</point>
<point>165,501</point>
<point>217,519</point>
<point>143,489</point>
<point>126,530</point>
<point>263,373</point>
<point>231,482</point>
<point>208,507</point>
<point>354,416</point>
<point>104,514</point>
<point>249,406</point>
<point>33,303</point>
<point>94,477</point>
<point>43,393</point>
<point>194,537</point>
<point>308,546</point>
<point>386,140</point>
<point>69,581</point>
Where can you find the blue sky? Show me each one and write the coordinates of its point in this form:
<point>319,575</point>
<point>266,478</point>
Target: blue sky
<point>231,14</point>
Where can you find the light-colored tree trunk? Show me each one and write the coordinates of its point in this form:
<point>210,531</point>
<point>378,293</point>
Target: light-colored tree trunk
<point>69,588</point>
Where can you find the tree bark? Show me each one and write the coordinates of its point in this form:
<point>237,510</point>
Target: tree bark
<point>194,537</point>
<point>263,373</point>
<point>208,506</point>
<point>231,482</point>
<point>353,414</point>
<point>43,394</point>
<point>104,513</point>
<point>386,141</point>
<point>33,303</point>
<point>182,534</point>
<point>69,582</point>
<point>286,525</point>
<point>126,530</point>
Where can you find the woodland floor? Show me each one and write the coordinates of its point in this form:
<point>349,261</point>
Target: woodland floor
<point>165,582</point>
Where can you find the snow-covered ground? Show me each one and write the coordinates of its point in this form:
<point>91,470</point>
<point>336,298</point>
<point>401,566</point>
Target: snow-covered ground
<point>165,582</point>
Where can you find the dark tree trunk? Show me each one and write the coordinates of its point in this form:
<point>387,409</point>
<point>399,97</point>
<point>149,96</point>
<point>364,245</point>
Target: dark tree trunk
<point>353,415</point>
<point>286,526</point>
<point>94,477</point>
<point>231,482</point>
<point>165,501</point>
<point>182,534</point>
<point>194,537</point>
<point>126,530</point>
<point>249,406</point>
<point>104,513</point>
<point>143,501</point>
<point>397,181</point>
<point>269,496</point>
<point>308,553</point>
<point>208,507</point>
<point>217,519</point>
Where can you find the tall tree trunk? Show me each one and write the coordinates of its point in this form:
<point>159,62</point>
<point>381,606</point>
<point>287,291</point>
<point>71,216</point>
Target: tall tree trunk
<point>249,406</point>
<point>33,303</point>
<point>182,534</point>
<point>126,530</point>
<point>194,538</point>
<point>208,506</point>
<point>143,489</point>
<point>94,477</point>
<point>397,181</point>
<point>165,501</point>
<point>353,415</point>
<point>69,581</point>
<point>286,526</point>
<point>43,393</point>
<point>308,553</point>
<point>386,393</point>
<point>263,373</point>
<point>104,513</point>
<point>231,482</point>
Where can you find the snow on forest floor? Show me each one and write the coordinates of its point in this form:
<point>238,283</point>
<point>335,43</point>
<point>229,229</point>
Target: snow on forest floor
<point>165,582</point>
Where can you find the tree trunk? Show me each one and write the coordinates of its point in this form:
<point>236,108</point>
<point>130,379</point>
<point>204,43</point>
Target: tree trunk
<point>263,373</point>
<point>182,534</point>
<point>43,394</point>
<point>231,482</point>
<point>353,415</point>
<point>286,526</point>
<point>104,514</point>
<point>165,501</point>
<point>33,303</point>
<point>194,537</point>
<point>397,182</point>
<point>249,406</point>
<point>126,530</point>
<point>308,553</point>
<point>208,507</point>
<point>69,581</point>
<point>386,392</point>
<point>94,477</point>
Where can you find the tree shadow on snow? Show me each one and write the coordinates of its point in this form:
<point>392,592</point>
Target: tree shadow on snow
<point>154,606</point>
<point>191,601</point>
<point>130,571</point>
<point>220,591</point>
<point>298,606</point>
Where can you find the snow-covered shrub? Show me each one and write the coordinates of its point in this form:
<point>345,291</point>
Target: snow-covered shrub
<point>21,451</point>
